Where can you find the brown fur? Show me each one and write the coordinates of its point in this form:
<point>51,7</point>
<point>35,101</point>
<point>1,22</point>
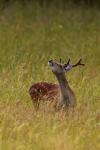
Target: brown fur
<point>43,91</point>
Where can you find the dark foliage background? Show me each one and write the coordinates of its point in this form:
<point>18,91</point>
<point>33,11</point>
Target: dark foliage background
<point>89,3</point>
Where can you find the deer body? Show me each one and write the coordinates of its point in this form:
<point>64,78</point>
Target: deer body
<point>43,90</point>
<point>62,94</point>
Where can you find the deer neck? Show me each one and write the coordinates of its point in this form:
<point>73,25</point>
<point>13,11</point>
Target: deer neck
<point>64,88</point>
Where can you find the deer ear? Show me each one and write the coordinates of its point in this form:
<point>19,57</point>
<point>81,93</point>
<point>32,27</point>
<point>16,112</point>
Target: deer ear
<point>68,67</point>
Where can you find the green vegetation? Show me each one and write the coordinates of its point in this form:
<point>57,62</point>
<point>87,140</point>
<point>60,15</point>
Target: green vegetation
<point>29,36</point>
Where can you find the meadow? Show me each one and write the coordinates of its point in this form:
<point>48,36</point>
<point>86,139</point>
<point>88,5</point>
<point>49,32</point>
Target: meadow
<point>29,37</point>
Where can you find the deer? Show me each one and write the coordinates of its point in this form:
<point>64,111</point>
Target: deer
<point>61,94</point>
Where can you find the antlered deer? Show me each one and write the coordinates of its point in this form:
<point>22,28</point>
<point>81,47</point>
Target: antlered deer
<point>61,93</point>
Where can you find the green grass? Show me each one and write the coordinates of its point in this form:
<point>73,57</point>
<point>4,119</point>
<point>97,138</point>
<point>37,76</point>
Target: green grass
<point>29,37</point>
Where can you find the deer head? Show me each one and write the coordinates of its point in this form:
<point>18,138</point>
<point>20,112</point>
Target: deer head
<point>62,68</point>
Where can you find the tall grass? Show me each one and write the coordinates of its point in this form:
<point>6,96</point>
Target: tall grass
<point>29,37</point>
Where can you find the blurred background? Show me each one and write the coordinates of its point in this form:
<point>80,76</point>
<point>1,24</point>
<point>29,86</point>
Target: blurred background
<point>31,33</point>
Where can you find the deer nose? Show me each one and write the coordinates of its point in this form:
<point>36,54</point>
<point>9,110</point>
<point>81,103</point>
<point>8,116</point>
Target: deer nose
<point>50,62</point>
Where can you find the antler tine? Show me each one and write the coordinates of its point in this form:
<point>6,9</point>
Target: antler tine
<point>78,63</point>
<point>60,60</point>
<point>67,62</point>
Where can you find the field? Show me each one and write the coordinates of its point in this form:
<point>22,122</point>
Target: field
<point>29,37</point>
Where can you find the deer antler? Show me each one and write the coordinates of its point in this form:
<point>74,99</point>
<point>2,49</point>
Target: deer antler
<point>79,63</point>
<point>68,66</point>
<point>68,62</point>
<point>60,60</point>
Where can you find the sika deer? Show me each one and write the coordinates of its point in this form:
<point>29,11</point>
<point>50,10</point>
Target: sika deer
<point>61,93</point>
